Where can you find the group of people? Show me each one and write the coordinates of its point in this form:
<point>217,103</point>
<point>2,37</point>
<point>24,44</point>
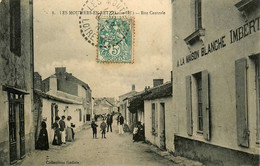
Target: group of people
<point>104,126</point>
<point>63,132</point>
<point>138,133</point>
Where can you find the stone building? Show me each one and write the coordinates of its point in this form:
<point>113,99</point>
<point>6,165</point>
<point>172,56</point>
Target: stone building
<point>16,80</point>
<point>216,80</point>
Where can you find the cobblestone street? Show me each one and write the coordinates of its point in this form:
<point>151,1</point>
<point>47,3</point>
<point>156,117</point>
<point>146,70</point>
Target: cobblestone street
<point>115,150</point>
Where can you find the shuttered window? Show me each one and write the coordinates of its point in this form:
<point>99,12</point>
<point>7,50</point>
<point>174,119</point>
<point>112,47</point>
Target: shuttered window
<point>199,92</point>
<point>198,22</point>
<point>203,100</point>
<point>241,102</point>
<point>199,101</point>
<point>189,106</point>
<point>15,27</point>
<point>257,63</point>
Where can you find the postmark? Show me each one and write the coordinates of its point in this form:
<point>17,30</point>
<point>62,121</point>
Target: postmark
<point>115,40</point>
<point>92,10</point>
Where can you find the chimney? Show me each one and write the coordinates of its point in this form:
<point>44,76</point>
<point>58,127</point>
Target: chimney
<point>133,87</point>
<point>37,81</point>
<point>60,70</point>
<point>157,82</point>
<point>53,82</point>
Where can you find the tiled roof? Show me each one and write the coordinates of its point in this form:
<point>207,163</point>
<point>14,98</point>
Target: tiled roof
<point>162,91</point>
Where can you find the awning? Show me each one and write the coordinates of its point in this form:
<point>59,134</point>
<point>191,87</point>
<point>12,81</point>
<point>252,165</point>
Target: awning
<point>14,90</point>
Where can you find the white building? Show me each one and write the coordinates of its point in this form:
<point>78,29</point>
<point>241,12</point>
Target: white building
<point>158,125</point>
<point>215,80</point>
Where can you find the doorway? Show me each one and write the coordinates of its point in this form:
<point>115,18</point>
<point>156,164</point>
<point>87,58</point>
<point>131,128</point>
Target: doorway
<point>16,127</point>
<point>162,127</point>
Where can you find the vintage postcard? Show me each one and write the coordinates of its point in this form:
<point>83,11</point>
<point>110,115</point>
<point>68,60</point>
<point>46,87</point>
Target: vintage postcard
<point>129,83</point>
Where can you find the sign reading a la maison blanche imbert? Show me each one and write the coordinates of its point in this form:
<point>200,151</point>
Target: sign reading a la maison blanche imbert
<point>237,34</point>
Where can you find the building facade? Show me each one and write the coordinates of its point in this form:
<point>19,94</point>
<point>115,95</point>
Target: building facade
<point>158,125</point>
<point>16,80</point>
<point>124,104</point>
<point>50,106</point>
<point>61,95</point>
<point>64,82</point>
<point>215,80</point>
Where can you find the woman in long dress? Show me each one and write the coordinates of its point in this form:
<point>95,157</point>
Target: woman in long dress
<point>43,141</point>
<point>57,134</point>
<point>69,137</point>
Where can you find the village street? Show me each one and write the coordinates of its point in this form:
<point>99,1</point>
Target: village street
<point>115,150</point>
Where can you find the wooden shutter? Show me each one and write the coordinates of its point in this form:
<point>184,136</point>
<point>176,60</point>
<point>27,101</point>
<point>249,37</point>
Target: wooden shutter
<point>153,117</point>
<point>156,118</point>
<point>52,115</point>
<point>189,106</point>
<point>241,102</point>
<point>205,105</point>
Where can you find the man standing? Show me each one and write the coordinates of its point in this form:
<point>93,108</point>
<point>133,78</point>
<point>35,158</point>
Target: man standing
<point>103,127</point>
<point>109,122</point>
<point>121,123</point>
<point>62,129</point>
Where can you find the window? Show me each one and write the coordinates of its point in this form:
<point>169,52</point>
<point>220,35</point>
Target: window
<point>199,93</point>
<point>198,22</point>
<point>15,27</point>
<point>257,63</point>
<point>198,30</point>
<point>202,98</point>
<point>154,119</point>
<point>80,115</point>
<point>54,112</point>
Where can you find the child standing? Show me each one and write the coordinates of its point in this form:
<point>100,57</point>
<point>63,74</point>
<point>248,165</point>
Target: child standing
<point>94,128</point>
<point>103,127</point>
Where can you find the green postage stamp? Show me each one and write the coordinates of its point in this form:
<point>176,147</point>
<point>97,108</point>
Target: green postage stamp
<point>115,40</point>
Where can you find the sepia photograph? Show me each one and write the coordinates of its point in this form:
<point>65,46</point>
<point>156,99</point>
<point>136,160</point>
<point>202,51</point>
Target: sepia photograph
<point>129,83</point>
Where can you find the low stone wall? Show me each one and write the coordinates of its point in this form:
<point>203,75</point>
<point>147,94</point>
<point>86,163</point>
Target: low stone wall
<point>212,154</point>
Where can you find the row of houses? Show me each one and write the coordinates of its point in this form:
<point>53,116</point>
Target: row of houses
<point>212,113</point>
<point>150,107</point>
<point>61,94</point>
<point>26,99</point>
<point>104,105</point>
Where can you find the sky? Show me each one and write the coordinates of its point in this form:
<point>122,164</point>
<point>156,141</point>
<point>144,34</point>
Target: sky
<point>58,43</point>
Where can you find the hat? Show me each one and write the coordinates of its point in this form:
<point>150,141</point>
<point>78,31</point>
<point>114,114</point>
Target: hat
<point>57,118</point>
<point>69,118</point>
<point>63,117</point>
